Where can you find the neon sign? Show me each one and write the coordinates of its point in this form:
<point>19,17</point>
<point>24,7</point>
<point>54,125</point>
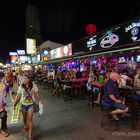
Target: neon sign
<point>109,40</point>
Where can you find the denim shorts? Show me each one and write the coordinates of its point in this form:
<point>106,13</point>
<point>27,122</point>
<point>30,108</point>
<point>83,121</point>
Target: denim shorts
<point>26,108</point>
<point>119,106</point>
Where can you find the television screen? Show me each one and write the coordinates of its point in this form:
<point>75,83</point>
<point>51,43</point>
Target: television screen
<point>121,60</point>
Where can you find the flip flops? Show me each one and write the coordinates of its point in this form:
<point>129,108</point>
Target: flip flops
<point>114,116</point>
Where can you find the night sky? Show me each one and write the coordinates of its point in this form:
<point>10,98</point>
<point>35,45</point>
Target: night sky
<point>61,21</point>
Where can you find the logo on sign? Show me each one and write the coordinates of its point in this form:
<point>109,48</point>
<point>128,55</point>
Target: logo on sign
<point>134,30</point>
<point>91,43</point>
<point>109,40</point>
<point>45,58</point>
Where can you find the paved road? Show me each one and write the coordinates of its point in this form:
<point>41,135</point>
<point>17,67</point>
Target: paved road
<point>68,121</point>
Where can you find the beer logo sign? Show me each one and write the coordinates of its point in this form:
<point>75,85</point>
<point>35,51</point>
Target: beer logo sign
<point>134,30</point>
<point>91,43</point>
<point>109,40</point>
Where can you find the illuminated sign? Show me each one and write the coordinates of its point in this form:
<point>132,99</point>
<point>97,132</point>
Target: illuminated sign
<point>45,58</point>
<point>134,30</point>
<point>132,25</point>
<point>31,46</point>
<point>46,52</point>
<point>109,40</point>
<point>34,59</point>
<point>23,59</point>
<point>21,52</point>
<point>91,42</point>
<point>66,50</point>
<point>55,53</point>
<point>29,60</point>
<point>14,57</point>
<point>13,53</point>
<point>127,34</point>
<point>38,57</point>
<point>61,52</point>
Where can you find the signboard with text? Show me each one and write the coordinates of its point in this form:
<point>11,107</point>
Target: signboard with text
<point>109,39</point>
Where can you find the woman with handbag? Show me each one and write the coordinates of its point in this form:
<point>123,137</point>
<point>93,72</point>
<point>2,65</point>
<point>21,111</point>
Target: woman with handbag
<point>26,93</point>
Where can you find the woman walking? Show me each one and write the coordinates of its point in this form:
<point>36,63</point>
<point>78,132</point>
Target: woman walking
<point>27,92</point>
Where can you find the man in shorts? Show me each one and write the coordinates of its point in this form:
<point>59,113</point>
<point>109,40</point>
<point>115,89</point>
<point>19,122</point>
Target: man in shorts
<point>113,97</point>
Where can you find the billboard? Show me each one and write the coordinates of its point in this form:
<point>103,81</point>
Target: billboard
<point>113,38</point>
<point>55,53</point>
<point>66,50</point>
<point>61,52</point>
<point>21,52</point>
<point>31,46</point>
<point>22,59</point>
<point>13,53</point>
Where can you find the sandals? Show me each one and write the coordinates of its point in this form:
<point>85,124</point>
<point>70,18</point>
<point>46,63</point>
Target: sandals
<point>125,115</point>
<point>4,133</point>
<point>114,116</point>
<point>25,129</point>
<point>31,138</point>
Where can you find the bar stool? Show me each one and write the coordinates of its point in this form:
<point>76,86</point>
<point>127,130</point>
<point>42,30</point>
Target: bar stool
<point>135,110</point>
<point>108,123</point>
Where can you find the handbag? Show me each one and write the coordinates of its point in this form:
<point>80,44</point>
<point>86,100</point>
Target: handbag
<point>35,105</point>
<point>3,114</point>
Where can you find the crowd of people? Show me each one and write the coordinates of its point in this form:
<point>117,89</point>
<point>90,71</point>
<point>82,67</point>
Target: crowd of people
<point>28,91</point>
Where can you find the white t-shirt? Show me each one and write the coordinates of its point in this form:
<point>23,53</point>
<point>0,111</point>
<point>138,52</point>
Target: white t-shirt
<point>27,99</point>
<point>122,81</point>
<point>137,83</point>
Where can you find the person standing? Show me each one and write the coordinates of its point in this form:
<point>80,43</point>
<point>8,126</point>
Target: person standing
<point>3,115</point>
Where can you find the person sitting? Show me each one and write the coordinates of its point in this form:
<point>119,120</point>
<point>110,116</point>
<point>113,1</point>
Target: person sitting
<point>3,115</point>
<point>112,96</point>
<point>92,77</point>
<point>122,81</point>
<point>102,80</point>
<point>78,74</point>
<point>137,81</point>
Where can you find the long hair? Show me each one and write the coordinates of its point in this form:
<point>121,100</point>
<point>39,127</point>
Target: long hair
<point>30,84</point>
